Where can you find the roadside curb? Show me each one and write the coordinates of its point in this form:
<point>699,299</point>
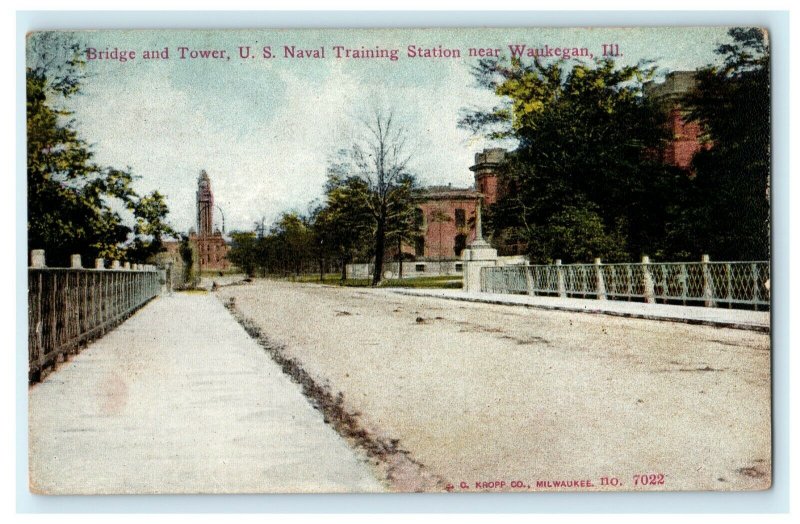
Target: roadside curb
<point>590,307</point>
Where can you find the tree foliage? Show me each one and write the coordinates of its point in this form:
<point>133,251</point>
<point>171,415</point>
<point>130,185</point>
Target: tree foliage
<point>343,223</point>
<point>729,212</point>
<point>74,204</point>
<point>584,181</point>
<point>379,160</point>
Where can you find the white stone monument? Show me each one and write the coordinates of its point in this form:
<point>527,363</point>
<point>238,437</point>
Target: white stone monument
<point>478,255</point>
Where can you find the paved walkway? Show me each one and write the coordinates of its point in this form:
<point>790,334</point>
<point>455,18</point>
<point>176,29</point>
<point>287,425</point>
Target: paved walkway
<point>720,317</point>
<point>179,399</point>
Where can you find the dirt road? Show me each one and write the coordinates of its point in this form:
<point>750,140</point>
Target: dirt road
<point>483,396</point>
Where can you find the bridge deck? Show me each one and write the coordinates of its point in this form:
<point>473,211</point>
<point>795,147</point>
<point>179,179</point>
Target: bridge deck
<point>179,399</point>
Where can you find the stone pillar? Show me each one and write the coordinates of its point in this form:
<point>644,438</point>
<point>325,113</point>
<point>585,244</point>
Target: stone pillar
<point>99,263</point>
<point>37,258</point>
<point>530,285</point>
<point>708,284</point>
<point>601,283</point>
<point>478,255</point>
<point>115,264</point>
<point>647,277</point>
<point>561,281</point>
<point>75,262</point>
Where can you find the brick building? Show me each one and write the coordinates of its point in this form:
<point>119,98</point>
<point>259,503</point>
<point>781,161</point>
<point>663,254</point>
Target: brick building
<point>210,246</point>
<point>686,136</point>
<point>446,215</point>
<point>208,243</point>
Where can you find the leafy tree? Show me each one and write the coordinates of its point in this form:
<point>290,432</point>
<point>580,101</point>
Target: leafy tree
<point>293,240</point>
<point>727,213</point>
<point>584,181</point>
<point>343,224</point>
<point>244,252</point>
<point>402,225</point>
<point>380,160</point>
<point>72,201</point>
<point>188,259</point>
<point>150,226</point>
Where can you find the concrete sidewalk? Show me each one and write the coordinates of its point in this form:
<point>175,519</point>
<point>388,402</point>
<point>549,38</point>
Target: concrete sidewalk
<point>179,399</point>
<point>719,317</point>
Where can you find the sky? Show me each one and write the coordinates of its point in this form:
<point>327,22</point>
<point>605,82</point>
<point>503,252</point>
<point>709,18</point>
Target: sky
<point>265,129</point>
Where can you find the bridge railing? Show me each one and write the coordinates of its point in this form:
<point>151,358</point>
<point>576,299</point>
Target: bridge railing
<point>67,307</point>
<point>705,283</point>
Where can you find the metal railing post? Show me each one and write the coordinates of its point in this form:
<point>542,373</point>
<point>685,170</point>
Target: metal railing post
<point>647,277</point>
<point>708,284</point>
<point>562,285</point>
<point>601,284</point>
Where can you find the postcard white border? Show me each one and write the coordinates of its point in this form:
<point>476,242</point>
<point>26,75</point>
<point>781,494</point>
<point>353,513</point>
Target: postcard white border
<point>775,500</point>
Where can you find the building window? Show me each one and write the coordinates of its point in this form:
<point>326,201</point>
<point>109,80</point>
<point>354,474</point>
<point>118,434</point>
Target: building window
<point>419,246</point>
<point>419,268</point>
<point>459,267</point>
<point>461,218</point>
<point>459,243</point>
<point>419,218</point>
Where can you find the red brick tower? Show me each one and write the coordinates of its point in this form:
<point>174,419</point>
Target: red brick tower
<point>686,136</point>
<point>212,250</point>
<point>205,206</point>
<point>487,170</point>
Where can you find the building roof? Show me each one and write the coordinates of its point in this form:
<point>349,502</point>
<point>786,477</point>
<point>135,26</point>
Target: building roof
<point>675,85</point>
<point>449,193</point>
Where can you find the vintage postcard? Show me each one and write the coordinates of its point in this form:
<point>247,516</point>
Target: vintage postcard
<point>399,260</point>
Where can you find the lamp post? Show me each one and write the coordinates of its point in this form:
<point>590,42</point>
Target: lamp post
<point>223,217</point>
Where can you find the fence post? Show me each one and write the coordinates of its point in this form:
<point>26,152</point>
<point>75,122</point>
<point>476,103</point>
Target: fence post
<point>649,286</point>
<point>529,283</point>
<point>562,286</point>
<point>708,284</point>
<point>37,258</point>
<point>601,283</point>
<point>75,262</point>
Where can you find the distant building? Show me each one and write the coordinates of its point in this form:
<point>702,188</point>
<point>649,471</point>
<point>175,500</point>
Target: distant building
<point>686,136</point>
<point>210,246</point>
<point>446,215</point>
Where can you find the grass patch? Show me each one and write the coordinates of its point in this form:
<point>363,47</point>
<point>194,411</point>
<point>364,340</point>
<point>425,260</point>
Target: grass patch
<point>440,282</point>
<point>193,291</point>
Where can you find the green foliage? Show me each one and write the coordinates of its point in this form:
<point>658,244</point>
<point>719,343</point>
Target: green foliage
<point>728,216</point>
<point>343,224</point>
<point>244,252</point>
<point>584,181</point>
<point>188,258</point>
<point>150,226</point>
<point>72,201</point>
<point>381,186</point>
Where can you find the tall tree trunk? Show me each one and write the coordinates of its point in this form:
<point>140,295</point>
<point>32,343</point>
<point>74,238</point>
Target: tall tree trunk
<point>380,249</point>
<point>344,268</point>
<point>400,256</point>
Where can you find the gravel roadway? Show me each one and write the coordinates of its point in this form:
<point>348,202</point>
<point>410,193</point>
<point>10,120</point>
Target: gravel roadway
<point>502,398</point>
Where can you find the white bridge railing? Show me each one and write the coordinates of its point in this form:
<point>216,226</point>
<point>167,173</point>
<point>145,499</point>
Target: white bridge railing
<point>711,284</point>
<point>68,307</point>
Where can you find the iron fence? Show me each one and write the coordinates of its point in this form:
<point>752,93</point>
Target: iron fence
<point>69,307</point>
<point>731,284</point>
